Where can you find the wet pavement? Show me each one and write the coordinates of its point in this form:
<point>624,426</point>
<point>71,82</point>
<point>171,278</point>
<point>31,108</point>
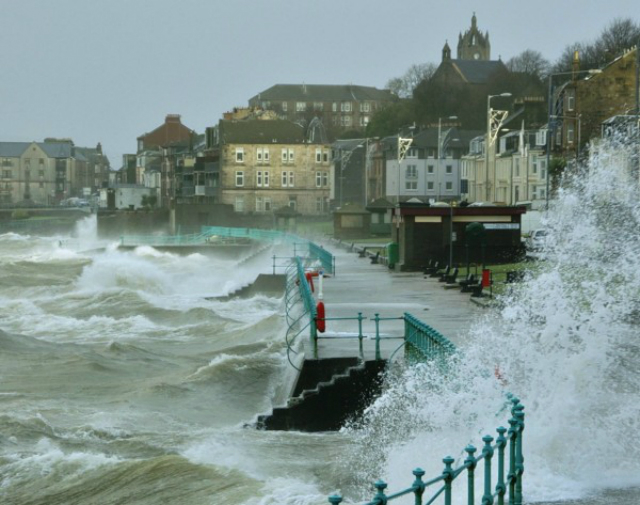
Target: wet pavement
<point>360,286</point>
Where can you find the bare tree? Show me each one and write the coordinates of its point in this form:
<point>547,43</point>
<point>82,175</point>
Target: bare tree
<point>415,74</point>
<point>529,62</point>
<point>619,36</point>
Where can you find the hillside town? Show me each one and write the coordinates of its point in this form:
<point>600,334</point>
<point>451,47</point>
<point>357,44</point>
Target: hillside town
<point>497,136</point>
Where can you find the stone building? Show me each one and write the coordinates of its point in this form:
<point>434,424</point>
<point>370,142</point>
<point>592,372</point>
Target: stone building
<point>265,165</point>
<point>340,107</point>
<point>45,173</point>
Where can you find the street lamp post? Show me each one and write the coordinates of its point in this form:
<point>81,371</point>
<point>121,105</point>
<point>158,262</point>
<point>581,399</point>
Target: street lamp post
<point>549,116</point>
<point>441,148</point>
<point>488,142</point>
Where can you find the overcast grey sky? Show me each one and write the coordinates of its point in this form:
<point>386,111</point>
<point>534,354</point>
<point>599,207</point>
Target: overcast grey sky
<point>110,70</point>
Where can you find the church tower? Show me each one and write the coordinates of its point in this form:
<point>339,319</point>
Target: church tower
<point>474,45</point>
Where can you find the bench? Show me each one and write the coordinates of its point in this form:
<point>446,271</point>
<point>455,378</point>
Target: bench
<point>442,274</point>
<point>467,283</point>
<point>362,252</point>
<point>432,264</point>
<point>476,290</point>
<point>451,278</point>
<point>375,258</point>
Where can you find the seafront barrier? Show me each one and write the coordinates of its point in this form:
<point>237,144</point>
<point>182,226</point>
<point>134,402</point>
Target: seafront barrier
<point>419,342</point>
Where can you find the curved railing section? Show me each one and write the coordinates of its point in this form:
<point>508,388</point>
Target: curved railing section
<point>424,342</point>
<point>509,486</point>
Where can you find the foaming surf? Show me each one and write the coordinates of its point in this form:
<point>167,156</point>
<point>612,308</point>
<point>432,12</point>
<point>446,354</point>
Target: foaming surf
<point>565,343</point>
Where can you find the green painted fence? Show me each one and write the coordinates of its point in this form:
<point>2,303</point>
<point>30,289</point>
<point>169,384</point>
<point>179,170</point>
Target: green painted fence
<point>508,486</point>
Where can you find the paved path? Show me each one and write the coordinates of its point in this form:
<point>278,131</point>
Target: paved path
<point>360,286</point>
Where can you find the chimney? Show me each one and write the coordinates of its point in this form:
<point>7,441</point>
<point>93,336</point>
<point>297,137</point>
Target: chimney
<point>172,118</point>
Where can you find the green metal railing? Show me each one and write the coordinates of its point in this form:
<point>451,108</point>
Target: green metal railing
<point>507,486</point>
<point>163,240</point>
<point>424,342</point>
<point>223,235</point>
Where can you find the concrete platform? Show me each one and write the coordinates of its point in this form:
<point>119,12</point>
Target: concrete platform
<point>359,286</point>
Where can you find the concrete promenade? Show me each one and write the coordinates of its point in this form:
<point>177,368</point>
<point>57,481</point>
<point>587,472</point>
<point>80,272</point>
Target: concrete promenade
<point>360,286</point>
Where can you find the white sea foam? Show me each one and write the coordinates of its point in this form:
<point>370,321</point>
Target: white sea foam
<point>565,344</point>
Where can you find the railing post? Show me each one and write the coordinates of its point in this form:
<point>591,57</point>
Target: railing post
<point>511,476</point>
<point>380,497</point>
<point>448,479</point>
<point>360,336</point>
<point>418,485</point>
<point>335,499</point>
<point>487,453</point>
<point>519,415</point>
<point>377,320</point>
<point>470,461</point>
<point>274,264</point>
<point>501,442</point>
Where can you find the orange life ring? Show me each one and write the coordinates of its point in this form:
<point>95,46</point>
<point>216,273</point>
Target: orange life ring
<point>320,322</point>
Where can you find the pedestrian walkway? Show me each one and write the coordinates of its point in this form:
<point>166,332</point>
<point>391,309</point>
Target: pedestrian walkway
<point>360,286</point>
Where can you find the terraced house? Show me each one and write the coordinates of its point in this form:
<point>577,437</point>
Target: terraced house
<point>269,164</point>
<point>44,173</point>
<point>340,107</point>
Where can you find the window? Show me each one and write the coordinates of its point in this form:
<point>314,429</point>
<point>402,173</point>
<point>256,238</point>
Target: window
<point>262,155</point>
<point>412,153</point>
<point>570,135</point>
<point>259,179</point>
<point>6,174</point>
<point>239,179</point>
<point>534,166</point>
<point>411,185</point>
<point>238,206</point>
<point>345,120</point>
<point>293,202</point>
<point>239,155</point>
<point>412,172</point>
<point>41,184</point>
<point>571,102</point>
<point>325,179</point>
<point>430,185</point>
<point>517,169</point>
<point>266,178</point>
<point>365,107</point>
<point>284,155</point>
<point>345,107</point>
<point>41,172</point>
<point>284,181</point>
<point>334,106</point>
<point>449,169</point>
<point>325,156</point>
<point>319,204</point>
<point>290,155</point>
<point>262,179</point>
<point>319,106</point>
<point>318,179</point>
<point>364,120</point>
<point>448,186</point>
<point>290,179</point>
<point>284,106</point>
<point>263,204</point>
<point>318,155</point>
<point>429,169</point>
<point>301,106</point>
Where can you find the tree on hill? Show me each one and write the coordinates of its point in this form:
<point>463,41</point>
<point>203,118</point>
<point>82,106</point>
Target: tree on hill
<point>620,35</point>
<point>530,62</point>
<point>403,86</point>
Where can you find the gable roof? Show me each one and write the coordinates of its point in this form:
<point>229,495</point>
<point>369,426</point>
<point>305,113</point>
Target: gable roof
<point>257,131</point>
<point>13,149</point>
<point>477,72</point>
<point>51,149</point>
<point>322,92</point>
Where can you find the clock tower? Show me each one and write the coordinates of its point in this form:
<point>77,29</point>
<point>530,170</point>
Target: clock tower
<point>474,45</point>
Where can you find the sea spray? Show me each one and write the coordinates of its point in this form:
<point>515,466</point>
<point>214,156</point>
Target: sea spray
<point>565,343</point>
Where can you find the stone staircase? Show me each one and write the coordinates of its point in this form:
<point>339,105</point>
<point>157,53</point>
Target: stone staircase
<point>328,393</point>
